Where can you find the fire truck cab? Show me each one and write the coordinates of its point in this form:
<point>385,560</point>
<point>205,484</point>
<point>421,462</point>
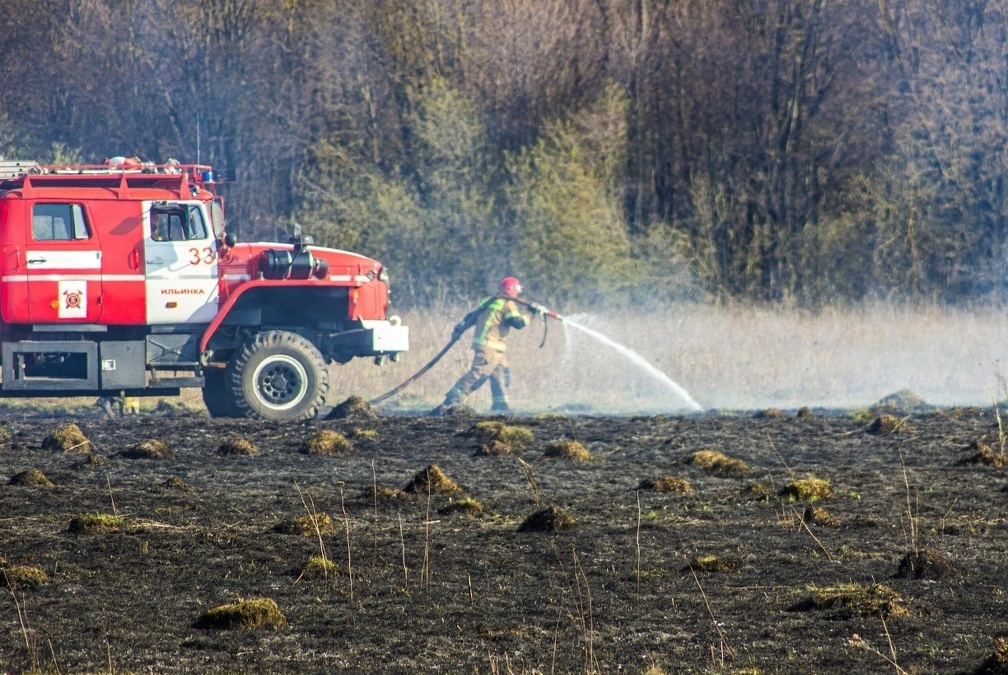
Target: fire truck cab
<point>119,279</point>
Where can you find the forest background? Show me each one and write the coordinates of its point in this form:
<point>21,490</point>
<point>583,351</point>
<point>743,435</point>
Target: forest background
<point>803,152</point>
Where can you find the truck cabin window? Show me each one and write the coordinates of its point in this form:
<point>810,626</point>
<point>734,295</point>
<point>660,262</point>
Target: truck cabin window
<point>59,222</point>
<point>180,224</point>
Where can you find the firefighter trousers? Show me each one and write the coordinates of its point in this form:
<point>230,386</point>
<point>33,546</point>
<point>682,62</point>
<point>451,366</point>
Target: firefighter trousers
<point>487,364</point>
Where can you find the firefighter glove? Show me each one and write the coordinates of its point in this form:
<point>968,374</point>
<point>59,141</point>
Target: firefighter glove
<point>536,308</point>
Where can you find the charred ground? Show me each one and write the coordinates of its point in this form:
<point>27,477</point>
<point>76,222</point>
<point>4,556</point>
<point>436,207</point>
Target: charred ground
<point>722,571</point>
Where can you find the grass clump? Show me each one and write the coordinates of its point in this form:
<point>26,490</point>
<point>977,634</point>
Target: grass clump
<point>500,438</point>
<point>318,567</point>
<point>327,442</point>
<point>816,515</point>
<point>926,563</point>
<point>249,614</point>
<point>552,519</point>
<point>66,438</point>
<point>354,407</point>
<point>713,563</point>
<point>176,483</point>
<point>716,461</point>
<point>666,484</point>
<point>150,448</point>
<point>25,575</point>
<point>320,523</point>
<point>572,450</point>
<point>465,505</point>
<point>385,493</point>
<point>238,445</point>
<point>855,600</point>
<point>90,523</point>
<point>432,479</point>
<point>997,662</point>
<point>981,453</point>
<point>807,490</point>
<point>366,434</point>
<point>886,425</point>
<point>31,477</point>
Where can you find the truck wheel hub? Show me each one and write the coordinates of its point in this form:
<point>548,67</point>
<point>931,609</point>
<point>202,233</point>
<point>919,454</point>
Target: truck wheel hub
<point>280,382</point>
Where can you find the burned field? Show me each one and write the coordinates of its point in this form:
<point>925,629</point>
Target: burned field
<point>769,543</point>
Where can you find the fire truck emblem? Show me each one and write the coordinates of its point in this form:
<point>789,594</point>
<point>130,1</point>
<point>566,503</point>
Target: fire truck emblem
<point>74,296</point>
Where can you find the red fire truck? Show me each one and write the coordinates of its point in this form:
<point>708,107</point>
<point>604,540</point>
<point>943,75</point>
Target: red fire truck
<point>119,280</point>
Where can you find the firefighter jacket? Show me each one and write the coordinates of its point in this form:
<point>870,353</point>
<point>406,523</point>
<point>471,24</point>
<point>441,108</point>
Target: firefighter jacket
<point>493,318</point>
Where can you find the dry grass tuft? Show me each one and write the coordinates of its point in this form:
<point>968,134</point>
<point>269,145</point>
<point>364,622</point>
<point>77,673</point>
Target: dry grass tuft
<point>31,477</point>
<point>466,505</point>
<point>997,662</point>
<point>66,438</point>
<point>238,445</point>
<point>354,407</point>
<point>176,483</point>
<point>926,563</point>
<point>712,563</point>
<point>248,614</point>
<point>981,453</point>
<point>807,490</point>
<point>666,484</point>
<point>816,515</point>
<point>572,450</point>
<point>886,425</point>
<point>904,401</point>
<point>94,460</point>
<point>25,575</point>
<point>149,449</point>
<point>327,442</point>
<point>716,461</point>
<point>552,519</point>
<point>804,413</point>
<point>5,434</point>
<point>93,523</point>
<point>855,600</point>
<point>320,523</point>
<point>434,480</point>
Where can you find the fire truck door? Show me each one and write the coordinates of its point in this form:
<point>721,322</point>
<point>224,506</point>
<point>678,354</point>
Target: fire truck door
<point>180,257</point>
<point>63,262</point>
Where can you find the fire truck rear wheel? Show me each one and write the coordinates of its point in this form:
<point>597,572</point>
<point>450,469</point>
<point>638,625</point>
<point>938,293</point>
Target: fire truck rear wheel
<point>277,376</point>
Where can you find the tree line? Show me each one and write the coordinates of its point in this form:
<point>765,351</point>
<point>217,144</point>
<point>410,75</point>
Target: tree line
<point>799,151</point>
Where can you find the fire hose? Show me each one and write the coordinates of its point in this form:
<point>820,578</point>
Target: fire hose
<point>535,307</point>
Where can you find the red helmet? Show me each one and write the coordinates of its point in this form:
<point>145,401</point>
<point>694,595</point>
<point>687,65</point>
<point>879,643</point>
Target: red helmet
<point>511,286</point>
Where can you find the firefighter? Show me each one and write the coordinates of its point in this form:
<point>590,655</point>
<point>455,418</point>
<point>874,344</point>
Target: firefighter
<point>492,318</point>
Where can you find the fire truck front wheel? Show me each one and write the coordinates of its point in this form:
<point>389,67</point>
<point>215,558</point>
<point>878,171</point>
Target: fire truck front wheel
<point>277,376</point>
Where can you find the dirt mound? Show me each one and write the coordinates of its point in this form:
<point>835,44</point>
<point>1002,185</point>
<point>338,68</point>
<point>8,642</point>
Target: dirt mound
<point>32,477</point>
<point>816,515</point>
<point>666,484</point>
<point>926,563</point>
<point>239,445</point>
<point>354,407</point>
<point>500,438</point>
<point>770,414</point>
<point>981,453</point>
<point>94,460</point>
<point>432,479</point>
<point>248,614</point>
<point>327,442</point>
<point>804,413</point>
<point>320,523</point>
<point>572,450</point>
<point>66,438</point>
<point>552,519</point>
<point>149,449</point>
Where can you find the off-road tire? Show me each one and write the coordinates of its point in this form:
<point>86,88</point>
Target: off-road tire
<point>215,396</point>
<point>277,376</point>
